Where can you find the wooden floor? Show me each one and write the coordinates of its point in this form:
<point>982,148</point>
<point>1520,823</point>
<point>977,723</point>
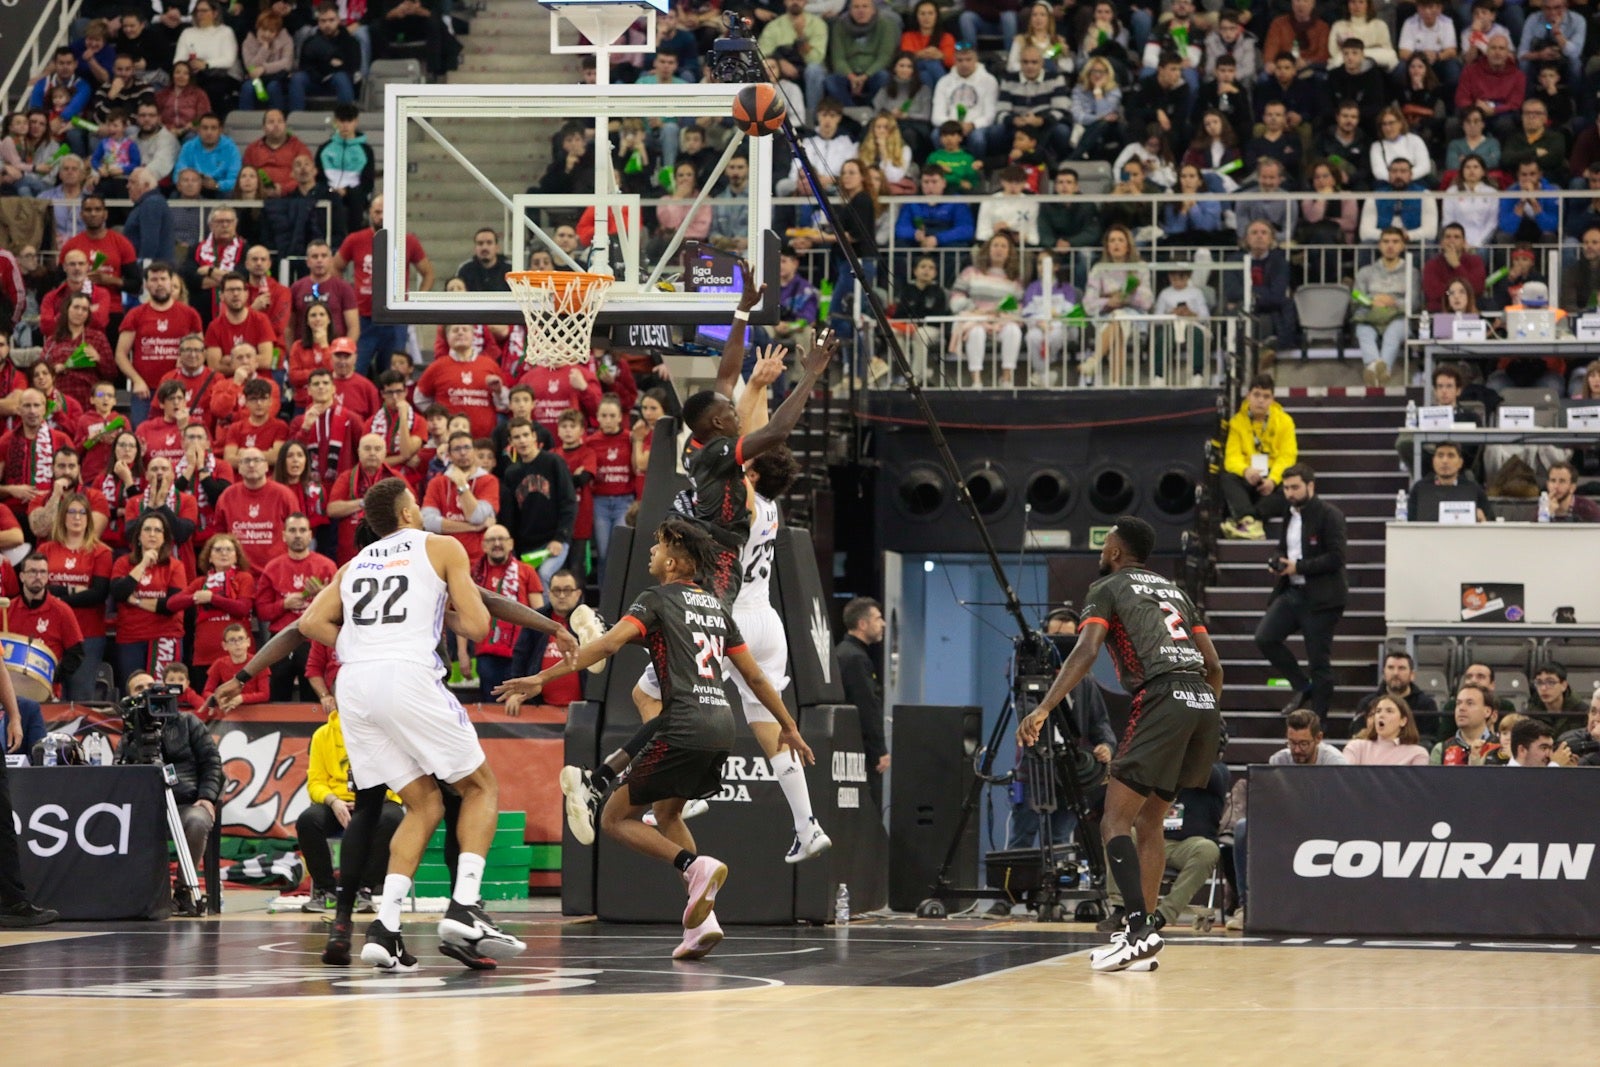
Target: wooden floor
<point>884,993</point>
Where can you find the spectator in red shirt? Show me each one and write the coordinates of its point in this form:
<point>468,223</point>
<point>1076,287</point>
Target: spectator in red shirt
<point>68,481</point>
<point>61,411</point>
<point>199,381</point>
<point>286,589</point>
<point>161,494</point>
<point>220,252</point>
<point>43,617</point>
<point>401,428</point>
<point>223,668</point>
<point>313,348</point>
<point>27,454</point>
<point>486,339</point>
<point>322,285</point>
<point>228,399</point>
<point>163,435</point>
<point>201,472</point>
<point>580,460</point>
<point>97,241</point>
<point>239,324</point>
<point>149,633</point>
<point>97,432</point>
<point>464,383</point>
<point>79,352</point>
<point>223,596</point>
<point>498,570</point>
<point>378,339</point>
<point>258,429</point>
<point>556,389</point>
<point>255,509</point>
<point>268,295</point>
<point>356,392</point>
<point>76,266</point>
<point>274,152</point>
<point>294,471</point>
<point>349,491</point>
<point>328,431</point>
<point>122,480</point>
<point>147,344</point>
<point>613,478</point>
<point>80,576</point>
<point>462,501</point>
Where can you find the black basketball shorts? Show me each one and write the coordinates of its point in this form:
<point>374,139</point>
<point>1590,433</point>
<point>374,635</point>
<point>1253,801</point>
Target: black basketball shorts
<point>1174,728</point>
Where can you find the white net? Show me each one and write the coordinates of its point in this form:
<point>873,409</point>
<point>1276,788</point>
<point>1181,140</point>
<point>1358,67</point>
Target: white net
<point>560,308</point>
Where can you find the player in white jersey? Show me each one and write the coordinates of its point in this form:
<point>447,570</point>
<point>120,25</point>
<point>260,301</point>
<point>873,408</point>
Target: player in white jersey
<point>402,727</point>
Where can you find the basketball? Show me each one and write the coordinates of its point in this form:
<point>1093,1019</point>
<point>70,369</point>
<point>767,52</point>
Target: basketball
<point>758,109</point>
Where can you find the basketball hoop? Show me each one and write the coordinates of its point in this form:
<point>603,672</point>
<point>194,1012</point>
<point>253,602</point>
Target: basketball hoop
<point>560,308</point>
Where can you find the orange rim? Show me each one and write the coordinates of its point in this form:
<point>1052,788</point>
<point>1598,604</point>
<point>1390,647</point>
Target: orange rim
<point>559,279</point>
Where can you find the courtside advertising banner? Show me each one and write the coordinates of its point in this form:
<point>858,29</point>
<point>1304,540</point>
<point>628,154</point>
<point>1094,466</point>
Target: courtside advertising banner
<point>1424,851</point>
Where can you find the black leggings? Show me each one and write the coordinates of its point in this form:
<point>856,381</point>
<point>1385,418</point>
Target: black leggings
<point>360,834</point>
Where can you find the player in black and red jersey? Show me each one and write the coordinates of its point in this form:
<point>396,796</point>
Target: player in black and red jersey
<point>1165,659</point>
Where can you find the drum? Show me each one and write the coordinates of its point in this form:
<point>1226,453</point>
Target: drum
<point>32,666</point>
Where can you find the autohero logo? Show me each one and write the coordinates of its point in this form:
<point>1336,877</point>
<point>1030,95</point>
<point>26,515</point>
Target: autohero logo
<point>1442,858</point>
<point>736,771</point>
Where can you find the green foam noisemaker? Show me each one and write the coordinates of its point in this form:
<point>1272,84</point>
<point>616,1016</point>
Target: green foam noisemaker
<point>1009,304</point>
<point>1361,298</point>
<point>81,359</point>
<point>1130,284</point>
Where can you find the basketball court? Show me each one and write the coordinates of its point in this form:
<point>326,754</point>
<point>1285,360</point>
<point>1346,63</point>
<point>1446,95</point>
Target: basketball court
<point>884,992</point>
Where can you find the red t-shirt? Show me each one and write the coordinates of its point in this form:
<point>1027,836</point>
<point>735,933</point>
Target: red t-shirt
<point>117,249</point>
<point>244,434</point>
<point>277,308</point>
<point>97,500</point>
<point>256,517</point>
<point>443,495</point>
<point>357,251</point>
<point>352,485</point>
<point>161,439</point>
<point>75,569</point>
<point>338,294</point>
<point>330,439</point>
<point>358,395</point>
<point>24,466</point>
<point>258,690</point>
<point>465,387</point>
<point>513,579</point>
<point>233,600</point>
<point>567,688</point>
<point>613,463</point>
<point>553,392</point>
<point>198,388</point>
<point>97,457</point>
<point>156,335</point>
<point>286,575</point>
<point>136,624</point>
<point>50,622</point>
<point>256,329</point>
<point>581,460</point>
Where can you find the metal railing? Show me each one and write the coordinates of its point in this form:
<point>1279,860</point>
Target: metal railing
<point>49,33</point>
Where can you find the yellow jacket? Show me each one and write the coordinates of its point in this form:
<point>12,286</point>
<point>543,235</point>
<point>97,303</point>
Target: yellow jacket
<point>329,769</point>
<point>1275,436</point>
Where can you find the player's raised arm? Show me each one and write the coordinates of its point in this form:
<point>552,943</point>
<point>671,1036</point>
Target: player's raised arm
<point>321,621</point>
<point>733,350</point>
<point>752,404</point>
<point>608,646</point>
<point>776,431</point>
<point>449,558</point>
<point>756,679</point>
<point>518,614</point>
<point>1091,636</point>
<point>280,647</point>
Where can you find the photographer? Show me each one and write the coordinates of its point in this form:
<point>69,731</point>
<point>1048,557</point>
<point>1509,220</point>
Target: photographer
<point>186,744</point>
<point>1584,743</point>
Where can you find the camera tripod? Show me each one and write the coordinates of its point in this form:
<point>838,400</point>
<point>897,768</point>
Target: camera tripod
<point>188,897</point>
<point>1048,769</point>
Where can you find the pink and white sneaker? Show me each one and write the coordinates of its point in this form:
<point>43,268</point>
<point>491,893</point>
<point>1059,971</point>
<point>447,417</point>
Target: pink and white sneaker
<point>698,942</point>
<point>704,877</point>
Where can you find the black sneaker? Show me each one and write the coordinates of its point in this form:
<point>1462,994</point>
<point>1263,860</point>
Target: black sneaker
<point>470,927</point>
<point>23,914</point>
<point>467,956</point>
<point>336,953</point>
<point>386,950</point>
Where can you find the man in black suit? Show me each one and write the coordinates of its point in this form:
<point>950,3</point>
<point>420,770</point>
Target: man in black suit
<point>863,623</point>
<point>1310,594</point>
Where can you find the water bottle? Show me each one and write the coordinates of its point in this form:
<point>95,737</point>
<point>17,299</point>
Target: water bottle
<point>841,906</point>
<point>1544,507</point>
<point>49,750</point>
<point>93,752</point>
<point>1400,506</point>
<point>1425,326</point>
<point>1411,414</point>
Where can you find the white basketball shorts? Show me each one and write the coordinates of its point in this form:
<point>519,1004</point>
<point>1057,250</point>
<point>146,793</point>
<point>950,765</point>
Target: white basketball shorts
<point>400,723</point>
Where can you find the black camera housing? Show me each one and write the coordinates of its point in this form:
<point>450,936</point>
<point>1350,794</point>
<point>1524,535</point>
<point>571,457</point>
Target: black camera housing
<point>144,717</point>
<point>734,58</point>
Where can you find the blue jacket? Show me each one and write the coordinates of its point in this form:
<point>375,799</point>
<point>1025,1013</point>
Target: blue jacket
<point>1206,217</point>
<point>81,91</point>
<point>149,227</point>
<point>950,224</point>
<point>1511,219</point>
<point>1410,210</point>
<point>222,162</point>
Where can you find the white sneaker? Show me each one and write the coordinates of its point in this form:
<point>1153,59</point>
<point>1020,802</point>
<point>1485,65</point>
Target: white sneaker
<point>815,843</point>
<point>588,628</point>
<point>704,877</point>
<point>1144,965</point>
<point>690,810</point>
<point>582,799</point>
<point>1236,920</point>
<point>1127,947</point>
<point>699,941</point>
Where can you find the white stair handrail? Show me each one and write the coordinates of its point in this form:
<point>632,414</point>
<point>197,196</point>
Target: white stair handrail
<point>49,33</point>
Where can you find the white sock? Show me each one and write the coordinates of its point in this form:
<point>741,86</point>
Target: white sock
<point>469,879</point>
<point>396,887</point>
<point>792,780</point>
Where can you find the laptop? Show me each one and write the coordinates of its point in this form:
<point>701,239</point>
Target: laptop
<point>1492,602</point>
<point>1537,325</point>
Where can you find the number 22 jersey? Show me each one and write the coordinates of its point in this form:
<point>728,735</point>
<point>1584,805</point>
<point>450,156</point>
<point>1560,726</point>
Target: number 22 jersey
<point>1149,623</point>
<point>687,632</point>
<point>393,602</point>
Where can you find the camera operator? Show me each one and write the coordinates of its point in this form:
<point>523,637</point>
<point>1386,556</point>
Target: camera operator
<point>1090,723</point>
<point>1584,743</point>
<point>188,747</point>
<point>15,908</point>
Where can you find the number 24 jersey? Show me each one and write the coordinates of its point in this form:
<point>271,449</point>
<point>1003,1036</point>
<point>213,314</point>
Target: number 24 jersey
<point>687,632</point>
<point>1149,623</point>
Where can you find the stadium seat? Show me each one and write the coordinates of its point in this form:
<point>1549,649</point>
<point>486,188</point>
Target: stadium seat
<point>385,72</point>
<point>1513,686</point>
<point>1510,653</point>
<point>1094,177</point>
<point>1434,682</point>
<point>1324,311</point>
<point>1584,684</point>
<point>1570,652</point>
